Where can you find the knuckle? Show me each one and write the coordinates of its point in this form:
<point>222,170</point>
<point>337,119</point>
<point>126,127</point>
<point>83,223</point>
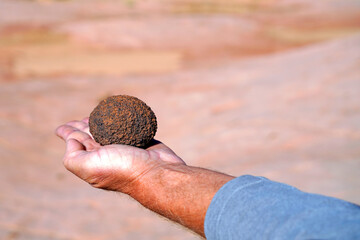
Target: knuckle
<point>67,130</point>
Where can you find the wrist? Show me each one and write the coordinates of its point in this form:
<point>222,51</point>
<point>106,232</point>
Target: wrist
<point>179,192</point>
<point>157,180</point>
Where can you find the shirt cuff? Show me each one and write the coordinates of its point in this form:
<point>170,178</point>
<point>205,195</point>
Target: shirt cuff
<point>221,200</point>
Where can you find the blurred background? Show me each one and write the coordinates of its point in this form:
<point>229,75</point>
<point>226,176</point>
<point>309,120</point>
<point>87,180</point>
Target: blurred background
<point>262,87</point>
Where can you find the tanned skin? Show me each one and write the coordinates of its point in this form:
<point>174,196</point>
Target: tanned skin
<point>155,177</point>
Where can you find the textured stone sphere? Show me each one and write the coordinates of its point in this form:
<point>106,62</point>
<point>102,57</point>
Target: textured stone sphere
<point>123,119</point>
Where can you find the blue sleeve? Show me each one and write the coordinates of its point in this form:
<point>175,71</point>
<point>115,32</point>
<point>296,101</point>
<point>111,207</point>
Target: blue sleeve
<point>251,207</point>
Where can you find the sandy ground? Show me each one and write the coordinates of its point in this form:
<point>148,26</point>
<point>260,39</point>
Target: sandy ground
<point>269,88</point>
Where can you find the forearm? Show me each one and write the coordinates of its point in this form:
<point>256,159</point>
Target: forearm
<point>180,193</point>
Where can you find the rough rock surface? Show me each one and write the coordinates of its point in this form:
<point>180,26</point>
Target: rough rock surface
<point>123,119</point>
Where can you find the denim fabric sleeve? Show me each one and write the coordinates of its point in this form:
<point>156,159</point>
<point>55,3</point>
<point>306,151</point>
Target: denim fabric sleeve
<point>251,207</point>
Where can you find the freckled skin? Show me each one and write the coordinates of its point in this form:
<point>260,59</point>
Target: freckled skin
<point>123,119</point>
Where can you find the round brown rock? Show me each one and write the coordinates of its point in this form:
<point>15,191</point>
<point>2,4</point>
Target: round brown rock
<point>123,119</point>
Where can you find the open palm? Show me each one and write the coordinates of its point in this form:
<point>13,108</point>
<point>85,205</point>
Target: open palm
<point>114,167</point>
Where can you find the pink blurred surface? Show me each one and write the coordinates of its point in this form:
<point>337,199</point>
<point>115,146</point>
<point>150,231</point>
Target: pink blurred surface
<point>268,88</point>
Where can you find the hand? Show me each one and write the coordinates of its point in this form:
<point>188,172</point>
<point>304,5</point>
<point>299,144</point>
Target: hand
<point>156,177</point>
<point>113,167</point>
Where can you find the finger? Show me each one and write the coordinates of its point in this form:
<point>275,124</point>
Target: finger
<point>58,131</point>
<point>79,125</point>
<point>83,125</point>
<point>84,139</point>
<point>67,132</point>
<point>72,160</point>
<point>90,144</point>
<point>64,131</point>
<point>86,120</point>
<point>87,130</point>
<point>73,146</point>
